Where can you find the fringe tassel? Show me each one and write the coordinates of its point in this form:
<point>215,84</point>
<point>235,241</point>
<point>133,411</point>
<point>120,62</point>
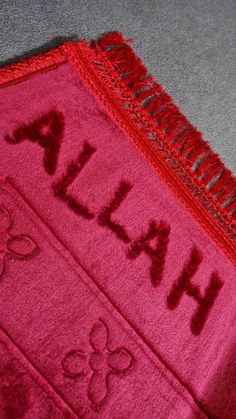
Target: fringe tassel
<point>174,126</point>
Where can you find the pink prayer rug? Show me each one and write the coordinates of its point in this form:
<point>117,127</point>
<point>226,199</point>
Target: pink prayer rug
<point>117,245</point>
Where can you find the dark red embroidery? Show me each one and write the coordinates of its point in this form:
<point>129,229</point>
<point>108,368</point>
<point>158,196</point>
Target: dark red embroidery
<point>99,364</point>
<point>104,217</point>
<point>13,247</point>
<point>156,254</point>
<point>47,131</point>
<point>73,169</point>
<point>184,285</point>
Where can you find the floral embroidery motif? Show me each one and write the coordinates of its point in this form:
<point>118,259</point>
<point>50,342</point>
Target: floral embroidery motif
<point>99,364</point>
<point>13,247</point>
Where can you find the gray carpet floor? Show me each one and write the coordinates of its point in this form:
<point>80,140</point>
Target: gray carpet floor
<point>188,44</point>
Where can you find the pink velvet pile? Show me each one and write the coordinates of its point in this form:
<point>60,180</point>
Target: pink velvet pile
<point>93,247</point>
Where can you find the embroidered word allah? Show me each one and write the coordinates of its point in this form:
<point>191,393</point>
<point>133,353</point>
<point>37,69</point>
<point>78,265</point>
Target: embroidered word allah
<point>47,131</point>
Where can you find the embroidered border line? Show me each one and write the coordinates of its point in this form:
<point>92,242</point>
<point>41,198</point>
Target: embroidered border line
<point>41,381</point>
<point>140,106</point>
<point>182,388</point>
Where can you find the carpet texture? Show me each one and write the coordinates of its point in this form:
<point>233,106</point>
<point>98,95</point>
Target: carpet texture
<point>126,305</point>
<point>188,45</point>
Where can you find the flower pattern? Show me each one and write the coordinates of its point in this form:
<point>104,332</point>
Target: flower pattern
<point>11,246</point>
<point>100,363</point>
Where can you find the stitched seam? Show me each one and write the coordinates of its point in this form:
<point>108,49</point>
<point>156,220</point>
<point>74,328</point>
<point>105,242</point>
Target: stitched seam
<point>23,359</point>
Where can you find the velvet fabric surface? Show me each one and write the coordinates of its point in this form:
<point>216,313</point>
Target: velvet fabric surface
<point>188,44</point>
<point>114,302</point>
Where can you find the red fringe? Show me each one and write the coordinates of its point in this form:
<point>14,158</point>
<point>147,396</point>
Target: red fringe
<point>174,126</point>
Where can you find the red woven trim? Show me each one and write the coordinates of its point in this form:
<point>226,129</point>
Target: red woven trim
<point>18,72</point>
<point>144,111</point>
<point>100,74</point>
<point>171,124</point>
<point>95,68</point>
